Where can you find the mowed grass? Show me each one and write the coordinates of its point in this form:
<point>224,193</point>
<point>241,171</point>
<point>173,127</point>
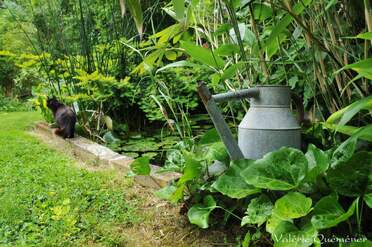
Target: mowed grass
<point>46,200</point>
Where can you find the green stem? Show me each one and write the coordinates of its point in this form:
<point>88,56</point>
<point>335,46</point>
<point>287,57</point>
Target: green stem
<point>228,211</point>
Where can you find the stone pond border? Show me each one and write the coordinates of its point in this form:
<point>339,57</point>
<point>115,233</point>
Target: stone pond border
<point>94,154</point>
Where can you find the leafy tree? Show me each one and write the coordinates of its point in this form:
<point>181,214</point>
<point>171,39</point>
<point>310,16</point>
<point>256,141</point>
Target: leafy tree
<point>8,72</point>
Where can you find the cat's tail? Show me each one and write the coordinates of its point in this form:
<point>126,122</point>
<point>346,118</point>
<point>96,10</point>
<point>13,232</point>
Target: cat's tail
<point>67,130</point>
<point>70,128</point>
<point>59,132</point>
<point>71,133</point>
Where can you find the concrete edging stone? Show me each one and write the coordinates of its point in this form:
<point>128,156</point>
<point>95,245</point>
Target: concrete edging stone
<point>95,154</point>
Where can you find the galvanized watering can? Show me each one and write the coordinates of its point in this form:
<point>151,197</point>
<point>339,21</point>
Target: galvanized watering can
<point>268,125</point>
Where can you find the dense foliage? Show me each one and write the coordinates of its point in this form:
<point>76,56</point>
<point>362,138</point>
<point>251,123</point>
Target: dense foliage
<point>294,197</point>
<point>130,69</point>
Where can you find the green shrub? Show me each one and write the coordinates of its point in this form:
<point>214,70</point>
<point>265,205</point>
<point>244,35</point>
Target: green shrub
<point>14,105</point>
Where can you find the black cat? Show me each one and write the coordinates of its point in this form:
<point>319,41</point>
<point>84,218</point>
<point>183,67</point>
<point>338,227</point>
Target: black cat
<point>64,116</point>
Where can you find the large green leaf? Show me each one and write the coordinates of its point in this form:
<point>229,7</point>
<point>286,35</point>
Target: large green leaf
<point>367,35</point>
<point>171,55</point>
<point>177,194</point>
<point>258,211</point>
<point>368,199</point>
<point>275,225</point>
<point>363,132</point>
<point>141,166</point>
<point>292,206</point>
<point>232,184</point>
<point>231,71</point>
<point>247,239</point>
<point>329,213</point>
<point>317,162</point>
<point>210,136</point>
<point>166,192</point>
<point>202,55</point>
<point>343,152</point>
<point>199,213</point>
<point>279,170</point>
<point>350,130</point>
<point>179,9</point>
<point>363,67</point>
<point>262,11</point>
<point>193,169</point>
<point>347,113</point>
<point>222,29</point>
<point>135,10</point>
<point>281,26</point>
<point>286,234</point>
<point>227,50</point>
<point>216,151</point>
<point>149,62</point>
<point>167,33</point>
<point>350,178</point>
<point>182,63</point>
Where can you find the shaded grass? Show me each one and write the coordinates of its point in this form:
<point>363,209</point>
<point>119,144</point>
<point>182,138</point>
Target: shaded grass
<point>45,200</point>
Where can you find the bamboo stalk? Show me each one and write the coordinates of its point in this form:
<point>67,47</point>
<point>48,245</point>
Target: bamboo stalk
<point>260,52</point>
<point>237,33</point>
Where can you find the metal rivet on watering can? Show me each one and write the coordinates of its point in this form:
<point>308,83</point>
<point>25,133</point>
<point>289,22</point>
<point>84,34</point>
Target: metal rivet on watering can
<point>268,125</point>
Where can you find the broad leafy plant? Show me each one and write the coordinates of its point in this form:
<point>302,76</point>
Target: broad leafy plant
<point>286,194</point>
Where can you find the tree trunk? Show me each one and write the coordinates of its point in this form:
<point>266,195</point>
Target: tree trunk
<point>9,88</point>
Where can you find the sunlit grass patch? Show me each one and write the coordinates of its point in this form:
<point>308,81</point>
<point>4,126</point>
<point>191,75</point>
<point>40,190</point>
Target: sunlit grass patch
<point>45,200</point>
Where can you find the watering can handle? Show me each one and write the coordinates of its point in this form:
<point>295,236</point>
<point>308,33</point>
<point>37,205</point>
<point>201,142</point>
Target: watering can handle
<point>298,102</point>
<point>235,95</point>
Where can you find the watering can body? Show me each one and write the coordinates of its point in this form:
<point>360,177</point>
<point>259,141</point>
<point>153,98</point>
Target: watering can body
<point>267,126</point>
<point>269,123</point>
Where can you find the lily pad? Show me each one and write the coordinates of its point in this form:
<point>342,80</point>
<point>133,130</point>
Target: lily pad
<point>132,155</point>
<point>150,154</point>
<point>141,146</point>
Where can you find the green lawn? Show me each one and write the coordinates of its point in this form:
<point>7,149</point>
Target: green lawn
<point>45,200</point>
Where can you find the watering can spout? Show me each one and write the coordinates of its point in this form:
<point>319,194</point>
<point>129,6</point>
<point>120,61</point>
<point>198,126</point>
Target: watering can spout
<point>210,102</point>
